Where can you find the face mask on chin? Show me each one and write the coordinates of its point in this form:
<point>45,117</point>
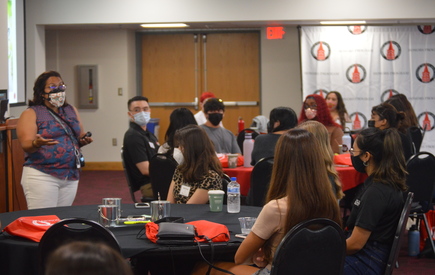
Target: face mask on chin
<point>310,113</point>
<point>215,118</point>
<point>56,99</point>
<point>142,118</point>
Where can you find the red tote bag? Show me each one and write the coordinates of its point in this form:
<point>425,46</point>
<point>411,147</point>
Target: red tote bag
<point>31,227</point>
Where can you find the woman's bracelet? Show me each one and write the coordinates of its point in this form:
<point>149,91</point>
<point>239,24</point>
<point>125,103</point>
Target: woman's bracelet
<point>34,145</point>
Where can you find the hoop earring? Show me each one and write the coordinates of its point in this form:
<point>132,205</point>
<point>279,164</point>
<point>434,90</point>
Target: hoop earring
<point>366,163</point>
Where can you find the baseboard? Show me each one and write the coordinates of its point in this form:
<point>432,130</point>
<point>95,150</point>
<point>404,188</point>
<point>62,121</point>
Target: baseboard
<point>112,166</point>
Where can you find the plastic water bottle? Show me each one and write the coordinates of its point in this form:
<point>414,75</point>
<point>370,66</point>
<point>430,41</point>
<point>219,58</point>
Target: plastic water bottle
<point>347,140</point>
<point>413,241</point>
<point>248,145</point>
<point>233,196</point>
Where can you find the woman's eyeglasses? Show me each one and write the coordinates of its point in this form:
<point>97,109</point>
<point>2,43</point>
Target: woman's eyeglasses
<point>56,89</point>
<point>352,151</point>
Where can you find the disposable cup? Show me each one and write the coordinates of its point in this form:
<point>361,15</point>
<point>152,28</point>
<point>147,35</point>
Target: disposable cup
<point>246,224</point>
<point>232,160</point>
<point>216,200</point>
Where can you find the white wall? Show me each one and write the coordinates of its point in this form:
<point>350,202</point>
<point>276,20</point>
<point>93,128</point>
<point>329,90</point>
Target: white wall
<point>3,44</point>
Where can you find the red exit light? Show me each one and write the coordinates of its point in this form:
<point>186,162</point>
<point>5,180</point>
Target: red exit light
<point>275,32</point>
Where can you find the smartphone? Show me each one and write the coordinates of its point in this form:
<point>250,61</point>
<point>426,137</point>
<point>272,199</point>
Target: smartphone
<point>142,205</point>
<point>242,236</point>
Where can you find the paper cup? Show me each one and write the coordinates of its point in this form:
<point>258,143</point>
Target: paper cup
<point>232,160</point>
<point>216,199</point>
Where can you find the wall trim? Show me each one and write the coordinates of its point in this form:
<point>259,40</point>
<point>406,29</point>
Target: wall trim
<point>112,166</point>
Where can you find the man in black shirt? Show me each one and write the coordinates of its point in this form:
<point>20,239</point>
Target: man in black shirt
<point>139,145</point>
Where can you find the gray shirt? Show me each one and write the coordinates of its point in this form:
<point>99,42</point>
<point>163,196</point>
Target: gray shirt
<point>224,140</point>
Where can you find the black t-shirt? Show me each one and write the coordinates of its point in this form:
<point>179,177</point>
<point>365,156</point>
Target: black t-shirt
<point>264,146</point>
<point>138,146</point>
<point>377,208</point>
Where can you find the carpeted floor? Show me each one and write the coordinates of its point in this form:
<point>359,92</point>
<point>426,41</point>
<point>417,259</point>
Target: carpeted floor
<point>95,185</point>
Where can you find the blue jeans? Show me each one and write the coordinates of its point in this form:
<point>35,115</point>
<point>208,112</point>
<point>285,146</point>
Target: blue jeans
<point>372,259</point>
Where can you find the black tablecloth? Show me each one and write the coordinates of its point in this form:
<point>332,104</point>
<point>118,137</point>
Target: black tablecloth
<point>20,256</point>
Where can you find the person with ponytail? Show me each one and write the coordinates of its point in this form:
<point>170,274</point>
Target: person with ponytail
<point>296,194</point>
<point>386,116</point>
<point>281,119</point>
<point>376,209</point>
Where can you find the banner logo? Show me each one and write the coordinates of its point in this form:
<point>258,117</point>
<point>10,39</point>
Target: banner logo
<point>357,29</point>
<point>356,73</point>
<point>387,94</point>
<point>426,119</point>
<point>321,92</point>
<point>426,29</point>
<point>425,73</point>
<point>321,51</point>
<point>359,120</point>
<point>391,50</point>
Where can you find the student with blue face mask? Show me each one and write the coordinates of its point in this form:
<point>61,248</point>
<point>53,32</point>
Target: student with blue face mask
<point>139,144</point>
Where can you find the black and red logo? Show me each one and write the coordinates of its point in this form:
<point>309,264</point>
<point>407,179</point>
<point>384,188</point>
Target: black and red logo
<point>321,51</point>
<point>387,94</point>
<point>322,92</point>
<point>391,50</point>
<point>426,120</point>
<point>425,73</point>
<point>356,30</point>
<point>356,73</point>
<point>359,121</point>
<point>426,29</point>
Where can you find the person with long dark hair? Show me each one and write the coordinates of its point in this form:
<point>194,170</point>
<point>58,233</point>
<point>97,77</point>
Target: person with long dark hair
<point>200,171</point>
<point>51,134</point>
<point>179,118</point>
<point>336,106</point>
<point>281,119</point>
<point>315,108</point>
<point>295,194</point>
<point>376,209</point>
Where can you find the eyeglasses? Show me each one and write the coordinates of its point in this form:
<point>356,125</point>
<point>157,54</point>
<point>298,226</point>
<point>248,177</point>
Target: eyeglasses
<point>56,89</point>
<point>352,151</point>
<point>312,107</point>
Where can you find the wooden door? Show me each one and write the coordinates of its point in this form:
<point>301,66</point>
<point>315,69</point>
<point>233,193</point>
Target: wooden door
<point>177,68</point>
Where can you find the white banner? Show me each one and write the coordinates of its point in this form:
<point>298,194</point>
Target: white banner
<point>368,64</point>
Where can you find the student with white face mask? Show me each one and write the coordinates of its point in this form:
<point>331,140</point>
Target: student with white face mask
<point>139,144</point>
<point>51,134</point>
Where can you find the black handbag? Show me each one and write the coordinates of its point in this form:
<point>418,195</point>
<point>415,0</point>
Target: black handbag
<point>175,233</point>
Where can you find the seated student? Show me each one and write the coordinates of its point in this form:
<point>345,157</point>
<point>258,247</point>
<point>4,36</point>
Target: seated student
<point>315,108</point>
<point>296,194</point>
<point>86,258</point>
<point>179,118</point>
<point>281,120</point>
<point>200,116</point>
<point>385,116</point>
<point>376,210</point>
<point>321,134</point>
<point>336,106</point>
<point>224,141</point>
<point>201,170</point>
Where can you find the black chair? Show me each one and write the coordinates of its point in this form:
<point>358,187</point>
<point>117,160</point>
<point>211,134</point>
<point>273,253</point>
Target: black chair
<point>131,186</point>
<point>225,180</point>
<point>416,137</point>
<point>74,229</point>
<point>241,137</point>
<point>162,167</point>
<point>316,246</point>
<point>260,179</point>
<point>421,181</point>
<point>398,236</point>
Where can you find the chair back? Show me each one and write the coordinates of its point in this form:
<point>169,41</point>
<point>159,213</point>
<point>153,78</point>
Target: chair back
<point>225,181</point>
<point>398,236</point>
<point>74,229</point>
<point>421,177</point>
<point>131,187</point>
<point>241,137</point>
<point>161,167</point>
<point>316,246</point>
<point>416,137</point>
<point>260,179</point>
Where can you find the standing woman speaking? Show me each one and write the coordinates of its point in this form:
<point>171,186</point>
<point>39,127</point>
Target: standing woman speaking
<point>51,134</point>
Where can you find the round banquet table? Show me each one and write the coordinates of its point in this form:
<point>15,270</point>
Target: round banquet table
<point>20,256</point>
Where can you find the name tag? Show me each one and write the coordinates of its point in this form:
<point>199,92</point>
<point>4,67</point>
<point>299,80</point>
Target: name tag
<point>152,145</point>
<point>185,190</point>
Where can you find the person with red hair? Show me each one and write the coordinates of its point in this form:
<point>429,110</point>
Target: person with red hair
<point>315,108</point>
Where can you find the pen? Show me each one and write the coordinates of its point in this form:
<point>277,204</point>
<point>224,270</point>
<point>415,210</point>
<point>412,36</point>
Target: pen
<point>135,222</point>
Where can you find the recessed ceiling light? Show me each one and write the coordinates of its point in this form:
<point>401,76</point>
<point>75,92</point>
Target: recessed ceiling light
<point>165,25</point>
<point>342,22</point>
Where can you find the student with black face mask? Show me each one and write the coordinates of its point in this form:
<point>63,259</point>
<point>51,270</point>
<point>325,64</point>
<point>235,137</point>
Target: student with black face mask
<point>281,119</point>
<point>376,209</point>
<point>224,140</point>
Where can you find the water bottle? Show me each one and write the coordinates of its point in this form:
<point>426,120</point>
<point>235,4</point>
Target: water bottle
<point>248,145</point>
<point>413,241</point>
<point>347,140</point>
<point>233,196</point>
